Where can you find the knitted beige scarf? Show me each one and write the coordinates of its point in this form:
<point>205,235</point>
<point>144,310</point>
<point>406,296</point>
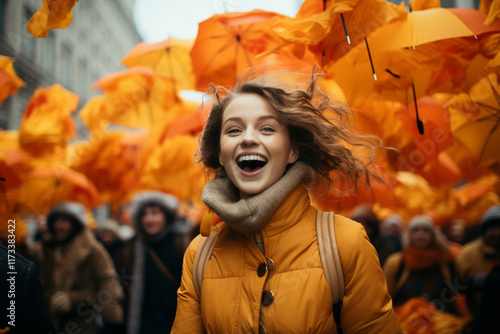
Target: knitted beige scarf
<point>251,214</point>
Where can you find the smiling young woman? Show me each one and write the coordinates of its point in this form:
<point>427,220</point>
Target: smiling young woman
<point>263,144</point>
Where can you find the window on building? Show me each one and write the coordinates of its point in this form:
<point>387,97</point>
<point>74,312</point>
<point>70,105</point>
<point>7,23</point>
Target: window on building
<point>67,66</point>
<point>49,52</point>
<point>82,76</point>
<point>28,42</point>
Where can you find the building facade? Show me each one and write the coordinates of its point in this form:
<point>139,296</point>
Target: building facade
<point>100,34</point>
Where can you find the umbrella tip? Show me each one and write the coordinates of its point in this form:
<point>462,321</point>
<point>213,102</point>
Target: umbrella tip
<point>375,76</point>
<point>348,40</point>
<point>420,125</point>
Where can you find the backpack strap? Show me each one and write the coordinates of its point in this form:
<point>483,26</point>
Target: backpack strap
<point>201,259</point>
<point>330,260</point>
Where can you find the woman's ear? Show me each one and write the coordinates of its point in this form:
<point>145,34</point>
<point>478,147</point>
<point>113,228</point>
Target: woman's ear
<point>220,160</point>
<point>294,155</point>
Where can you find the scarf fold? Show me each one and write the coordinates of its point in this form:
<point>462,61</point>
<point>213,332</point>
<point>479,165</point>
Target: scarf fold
<point>251,214</point>
<point>418,259</point>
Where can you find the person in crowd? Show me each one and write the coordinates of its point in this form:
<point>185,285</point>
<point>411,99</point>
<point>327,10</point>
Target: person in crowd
<point>263,143</point>
<point>455,232</point>
<point>477,258</point>
<point>364,214</point>
<point>392,227</point>
<point>487,320</point>
<point>23,300</point>
<point>41,227</point>
<point>118,247</point>
<point>77,274</point>
<point>424,268</point>
<point>162,238</point>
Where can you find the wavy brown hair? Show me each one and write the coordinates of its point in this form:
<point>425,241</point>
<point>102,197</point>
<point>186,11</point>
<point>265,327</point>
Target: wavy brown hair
<point>320,129</point>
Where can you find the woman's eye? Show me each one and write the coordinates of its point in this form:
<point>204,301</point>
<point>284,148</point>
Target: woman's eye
<point>233,131</point>
<point>267,129</point>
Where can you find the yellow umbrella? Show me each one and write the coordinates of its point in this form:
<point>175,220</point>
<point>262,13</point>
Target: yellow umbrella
<point>169,57</point>
<point>47,124</point>
<point>136,97</point>
<point>480,130</point>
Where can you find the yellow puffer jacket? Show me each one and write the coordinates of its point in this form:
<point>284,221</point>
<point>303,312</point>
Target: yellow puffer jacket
<point>233,287</point>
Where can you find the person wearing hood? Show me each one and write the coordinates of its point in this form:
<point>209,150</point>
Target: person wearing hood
<point>364,215</point>
<point>424,268</point>
<point>162,238</point>
<point>477,258</point>
<point>77,274</point>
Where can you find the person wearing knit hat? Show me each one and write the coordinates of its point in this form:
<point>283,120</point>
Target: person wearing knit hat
<point>74,270</point>
<point>423,268</point>
<point>478,257</point>
<point>162,238</point>
<point>391,230</point>
<point>365,215</point>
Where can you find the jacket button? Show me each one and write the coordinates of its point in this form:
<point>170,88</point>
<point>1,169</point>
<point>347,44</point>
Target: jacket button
<point>267,297</point>
<point>261,269</point>
<point>270,268</point>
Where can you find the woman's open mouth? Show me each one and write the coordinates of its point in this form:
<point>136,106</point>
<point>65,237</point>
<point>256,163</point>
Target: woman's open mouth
<point>251,163</point>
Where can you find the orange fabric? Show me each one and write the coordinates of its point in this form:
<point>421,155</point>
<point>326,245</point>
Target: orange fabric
<point>227,44</point>
<point>47,124</point>
<point>136,97</point>
<point>45,187</point>
<point>290,240</point>
<point>53,14</point>
<point>9,81</point>
<point>416,259</point>
<point>169,57</point>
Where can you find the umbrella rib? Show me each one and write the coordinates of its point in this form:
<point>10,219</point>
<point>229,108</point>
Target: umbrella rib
<point>490,107</point>
<point>483,149</point>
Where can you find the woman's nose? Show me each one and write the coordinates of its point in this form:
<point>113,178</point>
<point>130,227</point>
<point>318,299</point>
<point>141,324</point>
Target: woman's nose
<point>249,139</point>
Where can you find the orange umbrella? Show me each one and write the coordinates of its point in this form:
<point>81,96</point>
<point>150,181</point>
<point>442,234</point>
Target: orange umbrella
<point>227,44</point>
<point>53,14</point>
<point>330,28</point>
<point>9,81</point>
<point>170,167</point>
<point>169,57</point>
<point>111,161</point>
<point>430,25</point>
<point>136,97</point>
<point>480,127</point>
<point>46,187</point>
<point>92,114</point>
<point>47,124</point>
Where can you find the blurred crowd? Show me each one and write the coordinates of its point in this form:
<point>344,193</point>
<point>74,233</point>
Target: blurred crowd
<point>119,278</point>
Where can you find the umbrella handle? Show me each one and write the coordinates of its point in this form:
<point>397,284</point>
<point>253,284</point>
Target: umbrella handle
<point>420,124</point>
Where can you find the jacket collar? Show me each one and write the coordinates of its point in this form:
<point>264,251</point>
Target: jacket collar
<point>250,215</point>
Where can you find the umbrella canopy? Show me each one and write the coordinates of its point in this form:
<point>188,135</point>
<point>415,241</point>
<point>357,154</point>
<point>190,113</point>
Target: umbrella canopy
<point>430,25</point>
<point>169,57</point>
<point>53,14</point>
<point>9,81</point>
<point>136,97</point>
<point>227,44</point>
<point>319,25</point>
<point>170,168</point>
<point>47,124</point>
<point>111,161</point>
<point>45,187</point>
<point>480,130</point>
<point>92,114</point>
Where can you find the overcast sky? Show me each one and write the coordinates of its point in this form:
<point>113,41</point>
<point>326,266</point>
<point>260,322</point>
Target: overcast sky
<point>156,20</point>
